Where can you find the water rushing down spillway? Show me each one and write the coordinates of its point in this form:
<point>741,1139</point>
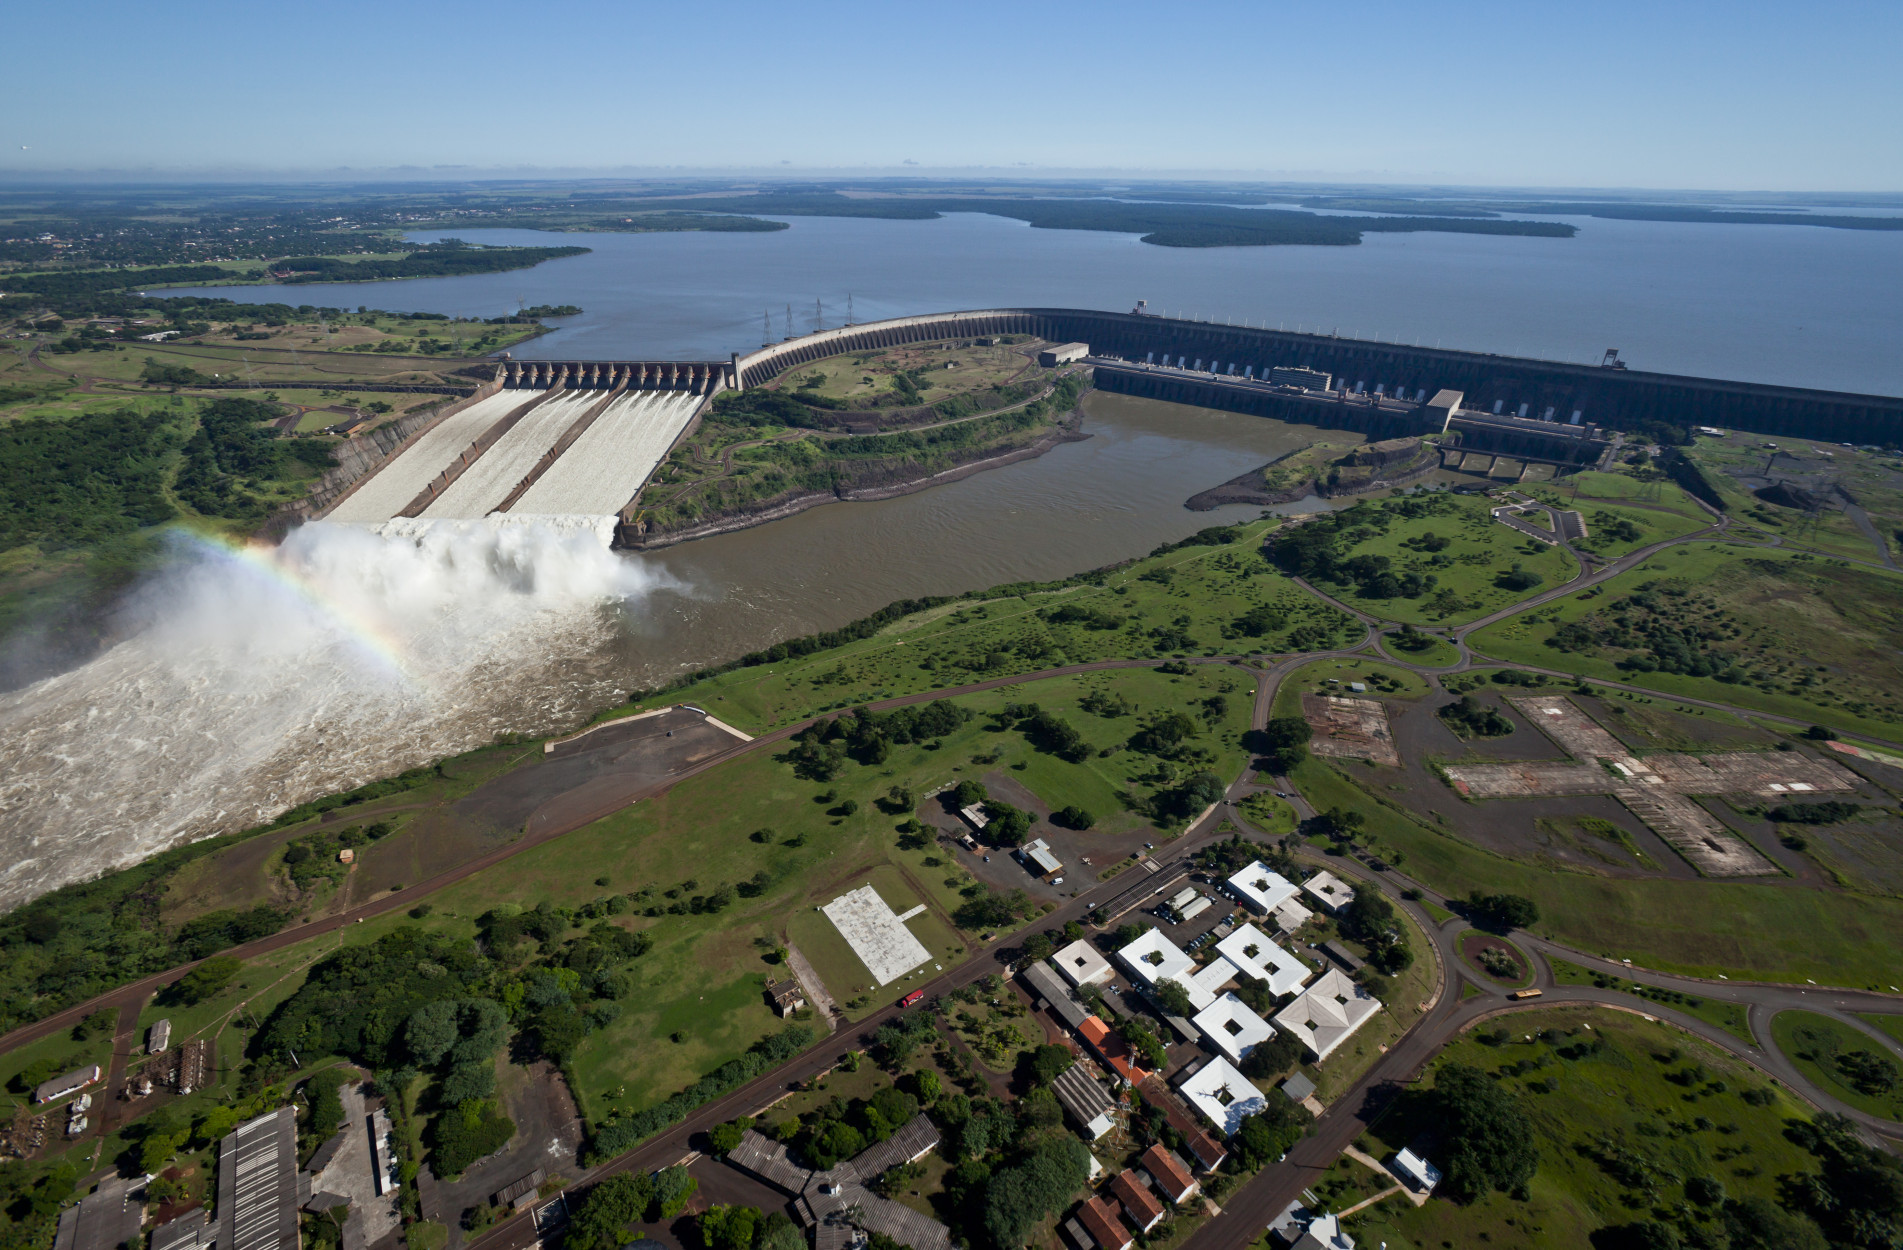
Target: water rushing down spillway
<point>612,458</point>
<point>484,485</point>
<point>398,484</point>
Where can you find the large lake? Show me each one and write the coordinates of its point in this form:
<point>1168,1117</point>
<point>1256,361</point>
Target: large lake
<point>1796,305</point>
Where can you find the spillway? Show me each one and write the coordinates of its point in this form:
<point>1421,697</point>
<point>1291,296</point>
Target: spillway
<point>399,482</point>
<point>612,458</point>
<point>485,484</point>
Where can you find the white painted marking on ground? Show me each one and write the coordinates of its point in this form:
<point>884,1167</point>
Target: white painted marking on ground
<point>876,935</point>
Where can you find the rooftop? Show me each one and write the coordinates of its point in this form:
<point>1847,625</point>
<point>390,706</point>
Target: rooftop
<point>1103,1224</point>
<point>1328,890</point>
<point>1080,963</point>
<point>1261,887</point>
<point>1327,1012</point>
<point>1170,1173</point>
<point>1233,1027</point>
<point>1142,1206</point>
<point>1417,1171</point>
<point>1223,1095</point>
<point>1088,1102</point>
<point>257,1184</point>
<point>1255,955</point>
<point>1046,984</point>
<point>1153,959</point>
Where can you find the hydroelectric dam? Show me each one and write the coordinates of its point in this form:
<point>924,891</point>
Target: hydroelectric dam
<point>578,440</point>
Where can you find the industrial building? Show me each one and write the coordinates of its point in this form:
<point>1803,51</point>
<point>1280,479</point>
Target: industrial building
<point>257,1184</point>
<point>1063,354</point>
<point>1087,1101</point>
<point>105,1219</point>
<point>66,1083</point>
<point>1038,859</point>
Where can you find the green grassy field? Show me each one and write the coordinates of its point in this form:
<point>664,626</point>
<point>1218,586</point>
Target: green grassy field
<point>861,379</point>
<point>1812,639</point>
<point>1893,1025</point>
<point>1403,997</point>
<point>1817,1044</point>
<point>1621,1101</point>
<point>1185,602</point>
<point>1766,931</point>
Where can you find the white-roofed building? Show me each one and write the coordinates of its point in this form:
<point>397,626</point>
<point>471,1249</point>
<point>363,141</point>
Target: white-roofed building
<point>1290,915</point>
<point>1232,1027</point>
<point>1211,977</point>
<point>1327,1012</point>
<point>1261,887</point>
<point>1254,955</point>
<point>1153,959</point>
<point>1082,965</point>
<point>1417,1172</point>
<point>1329,890</point>
<point>1223,1095</point>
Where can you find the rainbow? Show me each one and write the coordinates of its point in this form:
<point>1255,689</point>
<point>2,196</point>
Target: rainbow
<point>371,637</point>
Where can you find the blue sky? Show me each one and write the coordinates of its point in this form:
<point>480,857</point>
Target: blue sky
<point>1741,95</point>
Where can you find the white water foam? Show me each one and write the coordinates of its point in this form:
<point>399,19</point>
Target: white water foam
<point>255,682</point>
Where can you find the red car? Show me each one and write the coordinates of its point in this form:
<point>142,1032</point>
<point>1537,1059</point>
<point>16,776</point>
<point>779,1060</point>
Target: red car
<point>916,996</point>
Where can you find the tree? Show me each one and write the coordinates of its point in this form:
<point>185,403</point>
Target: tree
<point>613,1204</point>
<point>967,793</point>
<point>725,1137</point>
<point>926,1086</point>
<point>1760,1224</point>
<point>1173,998</point>
<point>206,979</point>
<point>1018,1197</point>
<point>1284,742</point>
<point>1048,1062</point>
<point>1038,946</point>
<point>1502,911</point>
<point>728,1228</point>
<point>1266,1136</point>
<point>1486,1137</point>
<point>1073,817</point>
<point>1155,1055</point>
<point>672,1188</point>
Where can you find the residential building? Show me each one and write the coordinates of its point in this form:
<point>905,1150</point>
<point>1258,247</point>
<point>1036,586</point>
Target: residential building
<point>1087,1101</point>
<point>1170,1174</point>
<point>1329,890</point>
<point>1113,1049</point>
<point>1201,1144</point>
<point>1081,964</point>
<point>1327,1012</point>
<point>1223,1095</point>
<point>1233,1027</point>
<point>1140,1206</point>
<point>1105,1227</point>
<point>1254,955</point>
<point>1260,887</point>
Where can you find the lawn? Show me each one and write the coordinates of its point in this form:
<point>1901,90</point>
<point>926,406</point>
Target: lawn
<point>1803,637</point>
<point>861,379</point>
<point>1893,1025</point>
<point>1194,601</point>
<point>1775,932</point>
<point>1827,1051</point>
<point>1647,1103</point>
<point>1403,997</point>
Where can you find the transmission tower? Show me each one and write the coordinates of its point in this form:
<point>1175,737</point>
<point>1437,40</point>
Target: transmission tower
<point>819,316</point>
<point>766,328</point>
<point>789,321</point>
<point>848,307</point>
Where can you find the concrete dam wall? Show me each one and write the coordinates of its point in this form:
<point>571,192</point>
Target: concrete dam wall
<point>1607,396</point>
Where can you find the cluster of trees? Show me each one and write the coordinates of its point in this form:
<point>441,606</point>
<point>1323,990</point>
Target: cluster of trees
<point>1470,718</point>
<point>84,479</point>
<point>1046,731</point>
<point>1282,743</point>
<point>1320,549</point>
<point>1829,812</point>
<point>1658,625</point>
<point>994,910</point>
<point>313,857</point>
<point>821,749</point>
<point>235,449</point>
<point>602,1217</point>
<point>1486,1136</point>
<point>841,1129</point>
<point>1079,614</point>
<point>1370,920</point>
<point>1502,911</point>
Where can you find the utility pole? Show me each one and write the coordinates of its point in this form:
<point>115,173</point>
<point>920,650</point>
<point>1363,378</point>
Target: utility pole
<point>848,307</point>
<point>789,321</point>
<point>819,316</point>
<point>766,328</point>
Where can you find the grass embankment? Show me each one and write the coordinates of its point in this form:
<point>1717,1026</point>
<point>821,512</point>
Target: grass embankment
<point>1423,649</point>
<point>1609,1096</point>
<point>1845,1063</point>
<point>1728,1016</point>
<point>912,374</point>
<point>1383,681</point>
<point>1773,932</point>
<point>1792,634</point>
<point>1194,600</point>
